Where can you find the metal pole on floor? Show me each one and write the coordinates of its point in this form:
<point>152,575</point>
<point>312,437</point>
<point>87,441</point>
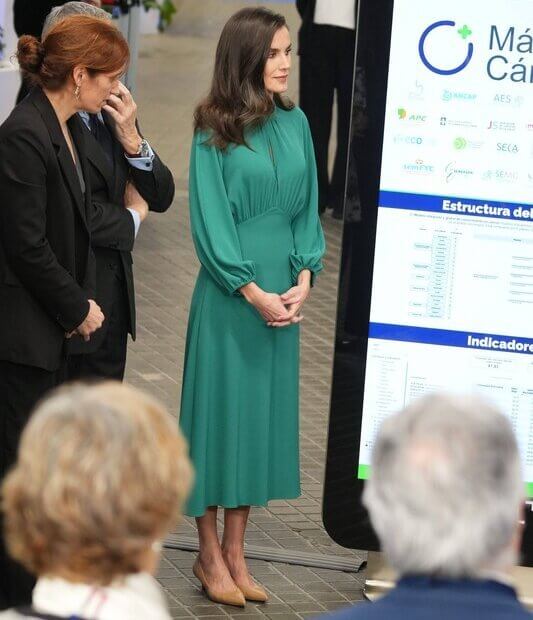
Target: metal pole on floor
<point>380,577</point>
<point>283,556</point>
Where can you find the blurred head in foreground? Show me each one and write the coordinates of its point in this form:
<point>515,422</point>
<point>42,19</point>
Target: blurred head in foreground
<point>100,479</point>
<point>446,491</point>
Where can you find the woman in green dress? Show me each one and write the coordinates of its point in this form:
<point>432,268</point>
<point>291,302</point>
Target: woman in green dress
<point>254,218</point>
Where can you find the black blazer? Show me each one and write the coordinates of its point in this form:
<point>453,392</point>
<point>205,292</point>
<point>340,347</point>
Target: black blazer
<point>47,269</point>
<point>29,15</point>
<point>306,9</point>
<point>112,228</point>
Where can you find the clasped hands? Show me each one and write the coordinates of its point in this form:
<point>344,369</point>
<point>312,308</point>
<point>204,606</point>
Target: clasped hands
<point>279,310</point>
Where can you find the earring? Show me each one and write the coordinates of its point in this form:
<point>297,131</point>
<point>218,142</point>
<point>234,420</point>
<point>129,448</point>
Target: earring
<point>77,91</point>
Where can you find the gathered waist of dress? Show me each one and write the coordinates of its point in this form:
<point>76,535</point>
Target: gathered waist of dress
<point>269,212</point>
<point>268,242</point>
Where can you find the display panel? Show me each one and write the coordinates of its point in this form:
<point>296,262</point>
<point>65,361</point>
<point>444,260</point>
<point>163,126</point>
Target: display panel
<point>436,287</point>
<point>452,291</point>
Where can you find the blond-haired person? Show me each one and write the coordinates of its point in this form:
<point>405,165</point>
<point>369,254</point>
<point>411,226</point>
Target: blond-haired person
<point>100,479</point>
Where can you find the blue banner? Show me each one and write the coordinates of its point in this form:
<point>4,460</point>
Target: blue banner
<point>451,338</point>
<point>453,205</point>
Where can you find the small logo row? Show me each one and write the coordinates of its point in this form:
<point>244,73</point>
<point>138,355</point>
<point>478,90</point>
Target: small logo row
<point>460,143</point>
<point>411,117</point>
<point>453,171</point>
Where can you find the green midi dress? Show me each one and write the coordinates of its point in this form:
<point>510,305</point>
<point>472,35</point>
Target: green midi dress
<point>254,217</point>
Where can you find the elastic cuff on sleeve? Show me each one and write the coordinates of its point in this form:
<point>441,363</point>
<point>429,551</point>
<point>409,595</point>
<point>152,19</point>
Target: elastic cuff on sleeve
<point>236,290</point>
<point>300,262</point>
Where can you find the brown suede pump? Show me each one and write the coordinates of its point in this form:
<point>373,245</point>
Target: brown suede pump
<point>231,597</point>
<point>255,593</point>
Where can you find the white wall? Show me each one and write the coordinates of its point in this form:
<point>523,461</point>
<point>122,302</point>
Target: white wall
<point>9,75</point>
<point>10,38</point>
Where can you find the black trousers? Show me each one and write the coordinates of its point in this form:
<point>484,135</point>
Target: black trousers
<point>21,387</point>
<point>326,68</point>
<point>109,360</point>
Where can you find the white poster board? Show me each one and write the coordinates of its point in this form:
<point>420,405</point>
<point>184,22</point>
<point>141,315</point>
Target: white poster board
<point>452,293</point>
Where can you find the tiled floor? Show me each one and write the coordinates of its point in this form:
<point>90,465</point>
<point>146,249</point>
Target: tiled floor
<point>174,72</point>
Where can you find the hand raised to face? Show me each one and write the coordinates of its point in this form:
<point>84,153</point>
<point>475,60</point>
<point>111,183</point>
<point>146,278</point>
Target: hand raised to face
<point>122,110</point>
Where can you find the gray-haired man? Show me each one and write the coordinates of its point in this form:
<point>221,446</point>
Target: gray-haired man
<point>60,11</point>
<point>126,178</point>
<point>446,500</point>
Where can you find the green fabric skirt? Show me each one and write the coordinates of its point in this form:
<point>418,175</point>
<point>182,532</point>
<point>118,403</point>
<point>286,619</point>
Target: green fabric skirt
<point>239,409</point>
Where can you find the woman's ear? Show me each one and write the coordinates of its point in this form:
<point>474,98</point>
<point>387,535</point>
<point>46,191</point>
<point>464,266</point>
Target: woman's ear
<point>78,74</point>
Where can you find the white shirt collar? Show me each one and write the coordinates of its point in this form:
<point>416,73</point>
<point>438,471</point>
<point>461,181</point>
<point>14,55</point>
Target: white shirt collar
<point>136,596</point>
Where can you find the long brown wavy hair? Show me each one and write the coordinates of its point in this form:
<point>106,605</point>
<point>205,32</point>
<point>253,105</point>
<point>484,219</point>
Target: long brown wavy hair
<point>238,99</point>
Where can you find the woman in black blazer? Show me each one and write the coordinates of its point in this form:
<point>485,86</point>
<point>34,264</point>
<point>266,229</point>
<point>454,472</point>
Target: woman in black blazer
<point>46,262</point>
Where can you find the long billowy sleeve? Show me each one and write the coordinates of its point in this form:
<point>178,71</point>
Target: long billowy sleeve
<point>213,228</point>
<point>309,244</point>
